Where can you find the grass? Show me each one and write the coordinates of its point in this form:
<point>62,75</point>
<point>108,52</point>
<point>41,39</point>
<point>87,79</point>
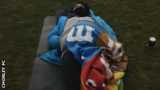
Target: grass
<point>133,20</point>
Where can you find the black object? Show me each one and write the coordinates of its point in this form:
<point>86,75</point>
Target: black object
<point>152,41</point>
<point>81,9</point>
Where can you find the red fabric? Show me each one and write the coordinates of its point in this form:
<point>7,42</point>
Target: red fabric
<point>94,70</point>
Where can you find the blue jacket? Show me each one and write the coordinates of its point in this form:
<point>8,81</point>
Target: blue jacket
<point>53,55</point>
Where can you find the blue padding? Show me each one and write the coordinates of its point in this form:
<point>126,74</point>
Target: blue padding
<point>54,35</point>
<point>52,56</point>
<point>106,27</point>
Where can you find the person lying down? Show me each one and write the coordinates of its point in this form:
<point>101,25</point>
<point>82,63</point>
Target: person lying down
<point>92,43</point>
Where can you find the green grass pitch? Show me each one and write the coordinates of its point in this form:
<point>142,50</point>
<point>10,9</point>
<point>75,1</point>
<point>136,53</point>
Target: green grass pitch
<point>133,20</point>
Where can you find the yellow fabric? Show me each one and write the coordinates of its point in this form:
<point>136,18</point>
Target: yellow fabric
<point>112,87</point>
<point>118,75</point>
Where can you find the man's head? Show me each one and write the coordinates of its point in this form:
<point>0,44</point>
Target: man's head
<point>81,9</point>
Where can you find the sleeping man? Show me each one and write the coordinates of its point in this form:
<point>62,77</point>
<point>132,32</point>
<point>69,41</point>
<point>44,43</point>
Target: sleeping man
<point>92,43</point>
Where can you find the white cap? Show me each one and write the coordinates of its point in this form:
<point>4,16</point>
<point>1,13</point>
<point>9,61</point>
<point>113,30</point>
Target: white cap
<point>152,39</point>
